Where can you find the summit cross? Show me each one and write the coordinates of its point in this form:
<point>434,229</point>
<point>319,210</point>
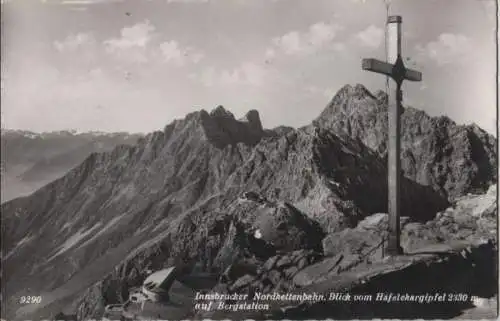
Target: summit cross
<point>394,68</point>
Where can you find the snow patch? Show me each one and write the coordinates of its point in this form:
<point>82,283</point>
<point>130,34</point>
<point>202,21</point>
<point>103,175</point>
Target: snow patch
<point>128,192</point>
<point>73,240</point>
<point>66,225</point>
<point>374,219</point>
<point>334,183</point>
<point>19,244</point>
<point>347,151</point>
<point>483,205</point>
<point>160,226</point>
<point>476,205</point>
<point>25,240</point>
<point>103,230</point>
<point>141,230</point>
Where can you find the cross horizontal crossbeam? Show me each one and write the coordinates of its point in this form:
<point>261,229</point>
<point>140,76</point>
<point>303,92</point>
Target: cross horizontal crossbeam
<point>388,69</point>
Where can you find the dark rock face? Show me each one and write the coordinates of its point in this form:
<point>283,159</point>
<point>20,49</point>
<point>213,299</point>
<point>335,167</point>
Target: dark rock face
<point>436,152</point>
<point>288,230</point>
<point>221,128</point>
<point>194,196</point>
<point>274,274</point>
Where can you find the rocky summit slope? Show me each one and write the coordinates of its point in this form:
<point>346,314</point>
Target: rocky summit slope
<point>194,194</point>
<point>470,225</point>
<point>31,160</point>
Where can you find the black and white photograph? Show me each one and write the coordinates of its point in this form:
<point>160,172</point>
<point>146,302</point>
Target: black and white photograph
<point>249,159</point>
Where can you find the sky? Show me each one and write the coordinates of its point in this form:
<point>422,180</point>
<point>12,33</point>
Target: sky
<point>135,65</point>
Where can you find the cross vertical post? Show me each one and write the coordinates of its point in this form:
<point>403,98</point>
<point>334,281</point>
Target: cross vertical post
<point>394,141</point>
<point>395,69</point>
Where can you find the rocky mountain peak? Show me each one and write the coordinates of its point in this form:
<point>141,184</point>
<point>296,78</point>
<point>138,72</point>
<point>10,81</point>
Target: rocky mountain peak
<point>357,91</point>
<point>222,129</point>
<point>219,127</point>
<point>361,90</point>
<point>252,118</point>
<point>221,112</point>
<point>453,159</point>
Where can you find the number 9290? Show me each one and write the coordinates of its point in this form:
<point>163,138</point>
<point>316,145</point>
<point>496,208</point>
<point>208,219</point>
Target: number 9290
<point>30,299</point>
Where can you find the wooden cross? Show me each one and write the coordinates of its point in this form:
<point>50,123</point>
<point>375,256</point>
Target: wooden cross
<point>394,68</point>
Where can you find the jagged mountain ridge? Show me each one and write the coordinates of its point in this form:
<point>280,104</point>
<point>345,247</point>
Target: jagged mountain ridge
<point>453,159</point>
<point>162,195</point>
<point>31,160</point>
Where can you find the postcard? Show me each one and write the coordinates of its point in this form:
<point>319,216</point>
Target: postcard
<point>249,159</point>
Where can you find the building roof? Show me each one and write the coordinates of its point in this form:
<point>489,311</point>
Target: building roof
<point>161,280</point>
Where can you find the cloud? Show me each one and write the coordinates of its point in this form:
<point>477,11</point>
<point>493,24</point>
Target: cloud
<point>290,43</point>
<point>448,48</point>
<point>187,1</point>
<point>489,9</point>
<point>252,73</point>
<point>79,9</point>
<point>322,33</point>
<point>270,53</point>
<point>135,45</point>
<point>87,2</point>
<point>247,74</point>
<point>132,43</point>
<point>339,46</point>
<point>82,101</point>
<point>74,42</point>
<point>207,76</point>
<point>137,35</point>
<point>371,37</point>
<point>172,52</point>
<point>316,37</point>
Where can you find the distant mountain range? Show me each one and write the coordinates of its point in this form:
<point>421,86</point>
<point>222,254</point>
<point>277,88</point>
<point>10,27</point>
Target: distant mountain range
<point>193,194</point>
<point>31,160</point>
